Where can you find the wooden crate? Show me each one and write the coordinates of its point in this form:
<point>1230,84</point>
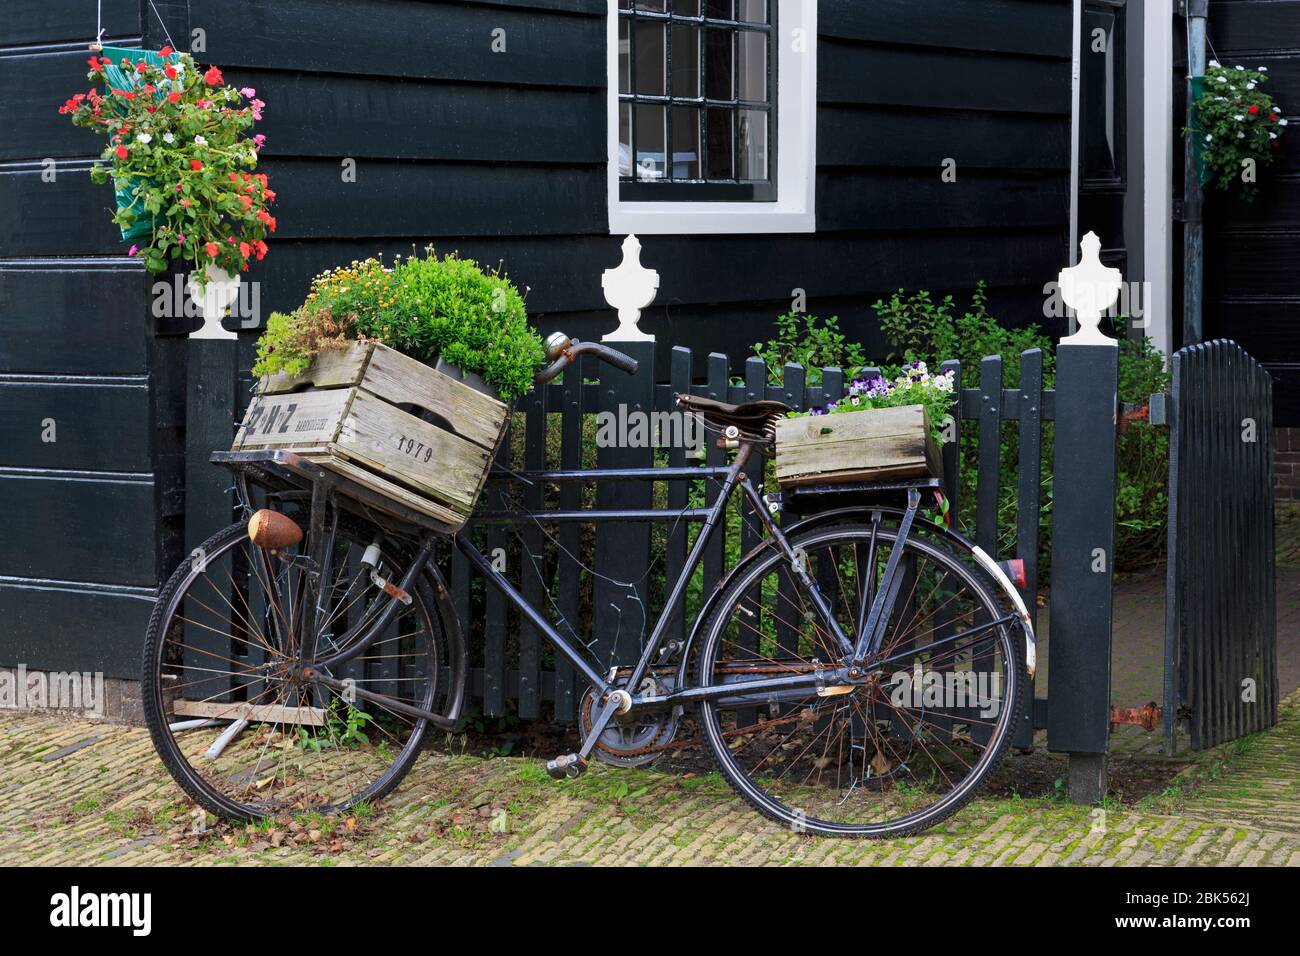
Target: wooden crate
<point>357,413</point>
<point>876,444</point>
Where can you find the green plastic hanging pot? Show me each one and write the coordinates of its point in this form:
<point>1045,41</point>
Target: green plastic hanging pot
<point>1203,172</point>
<point>120,80</point>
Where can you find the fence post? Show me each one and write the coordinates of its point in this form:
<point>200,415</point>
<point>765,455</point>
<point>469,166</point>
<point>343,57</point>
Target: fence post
<point>622,617</point>
<point>1083,530</point>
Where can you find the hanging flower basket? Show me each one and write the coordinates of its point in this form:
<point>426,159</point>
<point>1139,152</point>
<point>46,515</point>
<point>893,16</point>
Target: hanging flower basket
<point>181,159</point>
<point>1235,127</point>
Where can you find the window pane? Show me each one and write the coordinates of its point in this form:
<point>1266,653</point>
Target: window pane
<point>686,142</point>
<point>625,139</point>
<point>753,144</point>
<point>649,142</point>
<point>657,6</point>
<point>624,57</point>
<point>717,64</point>
<point>686,8</point>
<point>751,11</point>
<point>751,60</point>
<point>686,60</point>
<point>650,58</point>
<point>719,151</point>
<point>718,8</point>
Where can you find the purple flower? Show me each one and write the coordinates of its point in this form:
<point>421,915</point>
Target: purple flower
<point>132,250</point>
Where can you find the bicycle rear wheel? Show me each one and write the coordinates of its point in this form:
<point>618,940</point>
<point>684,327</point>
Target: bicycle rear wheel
<point>234,727</point>
<point>888,757</point>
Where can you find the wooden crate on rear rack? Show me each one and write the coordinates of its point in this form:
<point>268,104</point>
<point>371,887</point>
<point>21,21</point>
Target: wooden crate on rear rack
<point>385,421</point>
<point>875,444</point>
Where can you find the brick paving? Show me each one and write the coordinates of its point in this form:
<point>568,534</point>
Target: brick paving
<point>79,792</point>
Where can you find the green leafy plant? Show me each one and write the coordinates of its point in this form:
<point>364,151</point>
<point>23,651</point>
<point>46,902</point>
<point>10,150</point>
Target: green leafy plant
<point>181,159</point>
<point>811,342</point>
<point>425,306</point>
<point>1236,126</point>
<point>921,328</point>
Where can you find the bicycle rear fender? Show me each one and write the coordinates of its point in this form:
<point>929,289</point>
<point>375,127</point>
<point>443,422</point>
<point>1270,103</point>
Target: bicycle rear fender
<point>457,653</point>
<point>858,512</point>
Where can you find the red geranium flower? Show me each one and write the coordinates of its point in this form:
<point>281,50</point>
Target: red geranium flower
<point>244,249</point>
<point>122,152</point>
<point>196,165</point>
<point>212,249</point>
<point>212,77</point>
<point>173,97</point>
<point>166,51</point>
<point>170,71</point>
<point>141,67</point>
<point>1253,109</point>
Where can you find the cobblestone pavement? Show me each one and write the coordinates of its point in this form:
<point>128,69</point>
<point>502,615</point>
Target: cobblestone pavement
<point>78,792</point>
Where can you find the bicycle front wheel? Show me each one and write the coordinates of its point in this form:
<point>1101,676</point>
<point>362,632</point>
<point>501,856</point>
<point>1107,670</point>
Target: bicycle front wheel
<point>893,755</point>
<point>233,725</point>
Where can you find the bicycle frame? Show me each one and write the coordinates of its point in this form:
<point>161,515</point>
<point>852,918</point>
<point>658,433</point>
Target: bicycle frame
<point>733,477</point>
<point>857,654</point>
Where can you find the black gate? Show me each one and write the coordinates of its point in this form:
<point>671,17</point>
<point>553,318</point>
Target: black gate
<point>1220,619</point>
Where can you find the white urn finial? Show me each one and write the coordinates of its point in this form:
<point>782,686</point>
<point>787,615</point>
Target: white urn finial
<point>629,288</point>
<point>1089,288</point>
<point>212,300</point>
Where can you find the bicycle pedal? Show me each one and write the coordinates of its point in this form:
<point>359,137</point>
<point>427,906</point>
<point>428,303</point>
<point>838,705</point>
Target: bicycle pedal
<point>566,766</point>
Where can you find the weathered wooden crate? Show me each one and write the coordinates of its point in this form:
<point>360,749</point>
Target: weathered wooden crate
<point>386,421</point>
<point>876,444</point>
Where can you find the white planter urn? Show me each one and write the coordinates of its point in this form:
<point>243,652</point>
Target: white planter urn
<point>213,300</point>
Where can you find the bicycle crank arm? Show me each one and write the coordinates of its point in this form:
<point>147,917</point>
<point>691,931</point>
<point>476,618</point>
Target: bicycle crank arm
<point>388,703</point>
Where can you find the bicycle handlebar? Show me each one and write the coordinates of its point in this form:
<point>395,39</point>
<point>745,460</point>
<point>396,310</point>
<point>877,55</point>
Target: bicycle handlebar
<point>574,348</point>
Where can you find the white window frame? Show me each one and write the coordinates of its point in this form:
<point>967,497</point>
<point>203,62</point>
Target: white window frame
<point>796,149</point>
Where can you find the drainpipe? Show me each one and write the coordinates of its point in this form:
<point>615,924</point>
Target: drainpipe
<point>1193,229</point>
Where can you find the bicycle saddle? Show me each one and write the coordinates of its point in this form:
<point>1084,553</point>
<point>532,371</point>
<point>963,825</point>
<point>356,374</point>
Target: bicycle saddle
<point>753,419</point>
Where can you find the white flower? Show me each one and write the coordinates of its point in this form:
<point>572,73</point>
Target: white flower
<point>1208,137</point>
<point>1240,67</point>
<point>1214,63</point>
<point>1250,86</point>
<point>1243,135</point>
<point>1281,122</point>
<point>1276,110</point>
<point>1272,135</point>
<point>168,138</point>
<point>200,141</point>
<point>144,138</point>
<point>1263,69</point>
<point>1239,117</point>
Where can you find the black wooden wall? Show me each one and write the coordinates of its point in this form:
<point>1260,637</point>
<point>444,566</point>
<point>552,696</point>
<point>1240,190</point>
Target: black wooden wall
<point>90,521</point>
<point>502,155</point>
<point>1252,251</point>
<point>498,155</point>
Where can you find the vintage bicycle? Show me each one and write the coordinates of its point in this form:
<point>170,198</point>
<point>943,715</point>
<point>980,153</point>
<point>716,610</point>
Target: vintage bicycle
<point>858,673</point>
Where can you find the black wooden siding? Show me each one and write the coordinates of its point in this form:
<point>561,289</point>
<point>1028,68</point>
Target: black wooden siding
<point>1252,251</point>
<point>500,156</point>
<point>91,521</point>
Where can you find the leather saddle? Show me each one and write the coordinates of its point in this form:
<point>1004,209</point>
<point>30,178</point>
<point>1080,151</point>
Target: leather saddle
<point>752,419</point>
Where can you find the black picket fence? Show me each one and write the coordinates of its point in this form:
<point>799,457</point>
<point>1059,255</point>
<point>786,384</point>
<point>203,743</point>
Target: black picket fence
<point>607,580</point>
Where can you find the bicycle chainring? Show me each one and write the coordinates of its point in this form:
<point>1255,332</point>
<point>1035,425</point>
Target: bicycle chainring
<point>638,740</point>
